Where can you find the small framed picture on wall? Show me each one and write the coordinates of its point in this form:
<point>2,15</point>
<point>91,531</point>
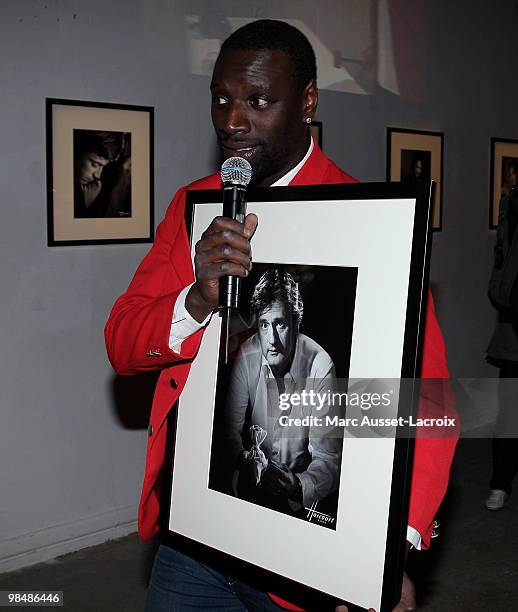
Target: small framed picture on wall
<point>415,156</point>
<point>504,174</point>
<point>99,173</point>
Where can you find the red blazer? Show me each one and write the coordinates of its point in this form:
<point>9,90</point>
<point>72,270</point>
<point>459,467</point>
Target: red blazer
<point>137,334</point>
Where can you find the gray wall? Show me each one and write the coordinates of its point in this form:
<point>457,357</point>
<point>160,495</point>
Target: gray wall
<point>72,440</point>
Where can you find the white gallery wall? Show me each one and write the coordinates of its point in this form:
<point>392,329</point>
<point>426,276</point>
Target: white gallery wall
<point>72,436</point>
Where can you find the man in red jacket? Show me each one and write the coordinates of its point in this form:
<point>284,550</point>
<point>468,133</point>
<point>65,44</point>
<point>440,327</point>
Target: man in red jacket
<point>264,97</point>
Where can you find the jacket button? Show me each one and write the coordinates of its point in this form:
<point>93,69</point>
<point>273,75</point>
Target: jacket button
<point>150,431</point>
<point>174,384</point>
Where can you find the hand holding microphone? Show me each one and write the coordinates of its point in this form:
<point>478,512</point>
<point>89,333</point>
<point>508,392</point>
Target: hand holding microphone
<point>224,248</point>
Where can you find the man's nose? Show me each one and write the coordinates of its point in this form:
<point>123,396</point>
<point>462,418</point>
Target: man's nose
<point>97,173</point>
<point>236,119</point>
<point>273,336</point>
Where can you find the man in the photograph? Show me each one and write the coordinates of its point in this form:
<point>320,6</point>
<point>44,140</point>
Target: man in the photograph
<point>96,194</point>
<point>294,467</point>
<point>509,175</point>
<point>417,172</point>
<point>264,97</point>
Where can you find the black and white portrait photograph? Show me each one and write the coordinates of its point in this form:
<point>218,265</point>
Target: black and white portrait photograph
<point>509,174</point>
<point>102,174</point>
<point>415,166</point>
<point>277,441</point>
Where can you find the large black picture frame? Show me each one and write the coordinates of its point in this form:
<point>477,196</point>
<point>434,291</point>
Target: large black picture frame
<point>390,214</point>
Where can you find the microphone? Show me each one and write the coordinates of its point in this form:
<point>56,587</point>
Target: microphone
<point>236,173</point>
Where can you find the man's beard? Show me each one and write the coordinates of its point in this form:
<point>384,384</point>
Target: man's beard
<point>268,163</point>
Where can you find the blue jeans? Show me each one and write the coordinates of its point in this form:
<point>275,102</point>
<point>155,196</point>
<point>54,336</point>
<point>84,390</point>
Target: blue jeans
<point>180,583</point>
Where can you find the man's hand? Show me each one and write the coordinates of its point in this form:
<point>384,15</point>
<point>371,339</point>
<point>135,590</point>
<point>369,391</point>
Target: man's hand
<point>247,470</point>
<point>407,603</point>
<point>224,250</point>
<point>90,191</point>
<point>251,465</point>
<point>280,481</point>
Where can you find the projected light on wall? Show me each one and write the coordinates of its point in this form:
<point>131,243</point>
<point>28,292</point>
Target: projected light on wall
<point>360,46</point>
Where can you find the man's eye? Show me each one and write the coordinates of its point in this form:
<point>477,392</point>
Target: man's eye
<point>260,103</point>
<point>263,325</point>
<point>218,100</point>
<point>281,325</point>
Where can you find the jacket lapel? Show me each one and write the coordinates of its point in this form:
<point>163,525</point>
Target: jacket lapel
<point>313,171</point>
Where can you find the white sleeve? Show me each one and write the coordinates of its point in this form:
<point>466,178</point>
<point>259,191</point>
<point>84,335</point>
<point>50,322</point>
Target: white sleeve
<point>182,324</point>
<point>414,537</point>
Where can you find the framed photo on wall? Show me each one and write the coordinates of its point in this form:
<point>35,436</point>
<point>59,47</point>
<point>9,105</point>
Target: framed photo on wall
<point>99,173</point>
<point>228,445</point>
<point>316,131</point>
<point>415,156</point>
<point>503,174</point>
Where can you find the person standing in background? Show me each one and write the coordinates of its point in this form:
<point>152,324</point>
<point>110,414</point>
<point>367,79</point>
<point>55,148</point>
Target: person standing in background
<point>503,347</point>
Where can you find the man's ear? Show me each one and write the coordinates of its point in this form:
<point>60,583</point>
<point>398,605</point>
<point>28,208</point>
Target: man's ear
<point>310,99</point>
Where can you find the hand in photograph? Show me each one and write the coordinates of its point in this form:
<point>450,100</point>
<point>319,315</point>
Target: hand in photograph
<point>251,466</point>
<point>279,480</point>
<point>91,190</point>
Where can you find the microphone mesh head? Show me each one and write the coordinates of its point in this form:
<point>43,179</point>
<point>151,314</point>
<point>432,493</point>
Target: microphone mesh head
<point>236,171</point>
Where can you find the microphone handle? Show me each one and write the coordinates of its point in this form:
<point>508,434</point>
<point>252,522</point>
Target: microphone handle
<point>234,206</point>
